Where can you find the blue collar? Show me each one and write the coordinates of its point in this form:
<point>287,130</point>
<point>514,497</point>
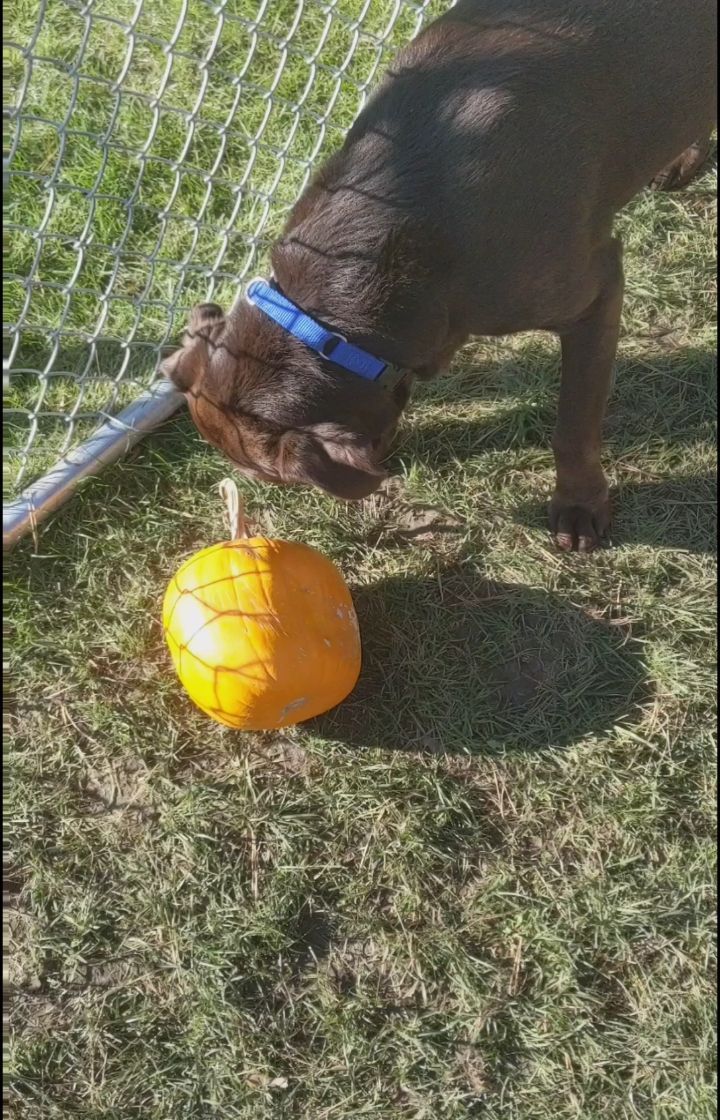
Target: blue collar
<point>329,344</point>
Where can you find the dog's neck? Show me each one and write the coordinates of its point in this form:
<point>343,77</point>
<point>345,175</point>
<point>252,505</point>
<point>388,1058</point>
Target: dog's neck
<point>366,281</point>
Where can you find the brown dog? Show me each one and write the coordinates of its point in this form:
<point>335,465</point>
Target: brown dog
<point>475,195</point>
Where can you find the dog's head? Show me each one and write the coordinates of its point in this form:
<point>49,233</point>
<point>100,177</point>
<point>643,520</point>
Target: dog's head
<point>279,411</point>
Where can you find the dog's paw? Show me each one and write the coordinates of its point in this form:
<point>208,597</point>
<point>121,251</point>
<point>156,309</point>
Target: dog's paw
<point>683,169</point>
<point>580,526</point>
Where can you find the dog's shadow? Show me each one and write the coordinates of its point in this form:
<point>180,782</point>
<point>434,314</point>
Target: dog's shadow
<point>459,664</point>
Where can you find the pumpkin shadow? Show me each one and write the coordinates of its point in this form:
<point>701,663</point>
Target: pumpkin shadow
<point>460,664</point>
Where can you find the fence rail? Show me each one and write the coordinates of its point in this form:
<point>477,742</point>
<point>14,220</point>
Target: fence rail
<point>151,152</point>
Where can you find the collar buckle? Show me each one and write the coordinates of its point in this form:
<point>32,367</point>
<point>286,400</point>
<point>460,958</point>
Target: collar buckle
<point>330,344</point>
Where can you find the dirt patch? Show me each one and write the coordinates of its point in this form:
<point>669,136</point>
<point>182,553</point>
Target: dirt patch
<point>119,787</point>
<point>115,972</point>
<point>196,764</point>
<point>268,753</point>
<point>18,929</point>
<point>350,964</point>
<point>43,980</point>
<point>605,983</point>
<point>400,522</point>
<point>121,671</point>
<point>311,936</point>
<point>39,1014</point>
<point>472,1071</point>
<point>288,756</point>
<point>420,525</point>
<point>362,966</point>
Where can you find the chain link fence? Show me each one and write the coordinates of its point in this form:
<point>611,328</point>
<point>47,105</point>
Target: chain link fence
<point>152,151</point>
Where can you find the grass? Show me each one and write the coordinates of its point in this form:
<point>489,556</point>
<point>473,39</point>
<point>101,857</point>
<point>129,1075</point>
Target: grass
<point>483,886</point>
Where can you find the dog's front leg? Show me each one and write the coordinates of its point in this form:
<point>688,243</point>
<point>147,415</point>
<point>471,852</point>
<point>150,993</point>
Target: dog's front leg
<point>580,508</point>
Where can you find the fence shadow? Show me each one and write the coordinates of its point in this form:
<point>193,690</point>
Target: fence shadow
<point>459,664</point>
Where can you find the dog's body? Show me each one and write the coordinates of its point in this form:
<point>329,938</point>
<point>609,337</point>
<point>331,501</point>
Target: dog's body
<point>475,195</point>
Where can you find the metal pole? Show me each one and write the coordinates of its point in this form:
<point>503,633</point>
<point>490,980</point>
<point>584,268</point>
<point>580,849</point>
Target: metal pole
<point>110,442</point>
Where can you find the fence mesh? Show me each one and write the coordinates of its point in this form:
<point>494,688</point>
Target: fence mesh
<point>151,153</point>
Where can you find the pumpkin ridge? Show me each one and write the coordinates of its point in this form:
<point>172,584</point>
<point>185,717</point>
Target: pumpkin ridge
<point>233,611</point>
<point>215,688</point>
<point>213,582</point>
<point>208,622</point>
<point>222,716</point>
<point>178,596</point>
<point>250,638</point>
<point>265,545</point>
<point>239,670</point>
<point>269,573</point>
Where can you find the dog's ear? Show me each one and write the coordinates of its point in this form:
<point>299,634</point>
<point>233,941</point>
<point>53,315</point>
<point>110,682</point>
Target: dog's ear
<point>333,459</point>
<point>184,366</point>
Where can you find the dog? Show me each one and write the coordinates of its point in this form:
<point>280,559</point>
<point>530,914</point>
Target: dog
<point>475,195</point>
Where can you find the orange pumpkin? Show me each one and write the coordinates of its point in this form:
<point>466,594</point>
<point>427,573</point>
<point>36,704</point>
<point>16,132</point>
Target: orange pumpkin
<point>263,633</point>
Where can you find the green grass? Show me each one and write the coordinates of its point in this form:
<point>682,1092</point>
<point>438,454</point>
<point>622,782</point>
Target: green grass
<point>484,885</point>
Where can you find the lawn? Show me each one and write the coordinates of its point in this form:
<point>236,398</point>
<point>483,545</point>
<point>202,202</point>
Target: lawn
<point>484,886</point>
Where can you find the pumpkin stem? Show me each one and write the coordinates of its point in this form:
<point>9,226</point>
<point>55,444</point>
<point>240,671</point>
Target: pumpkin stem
<point>234,508</point>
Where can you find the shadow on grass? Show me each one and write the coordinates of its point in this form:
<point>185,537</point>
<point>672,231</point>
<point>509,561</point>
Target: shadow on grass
<point>677,513</point>
<point>458,664</point>
<point>667,399</point>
